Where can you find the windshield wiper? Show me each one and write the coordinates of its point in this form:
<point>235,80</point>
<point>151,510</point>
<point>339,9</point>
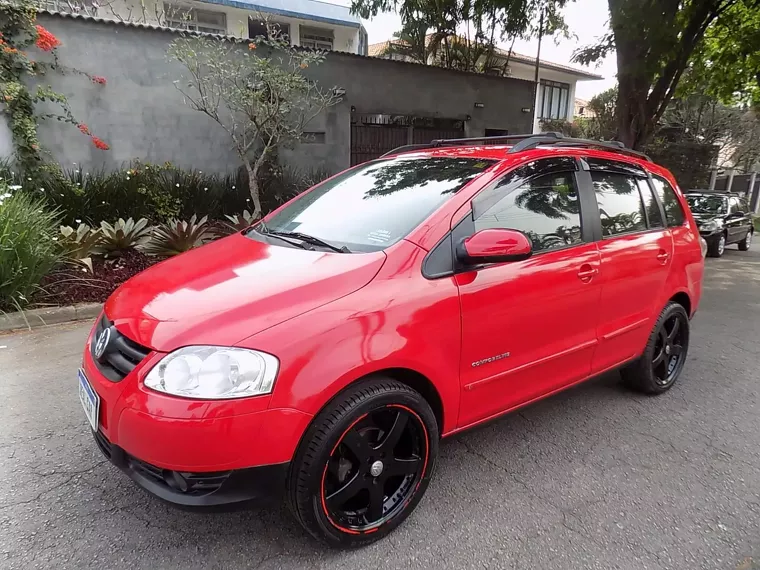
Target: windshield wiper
<point>309,239</point>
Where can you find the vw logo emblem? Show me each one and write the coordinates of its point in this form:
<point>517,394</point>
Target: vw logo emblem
<point>102,343</point>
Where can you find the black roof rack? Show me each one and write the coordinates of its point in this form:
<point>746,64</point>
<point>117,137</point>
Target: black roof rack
<point>528,142</point>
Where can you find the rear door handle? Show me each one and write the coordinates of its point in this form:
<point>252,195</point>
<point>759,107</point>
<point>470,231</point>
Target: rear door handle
<point>663,256</point>
<point>586,272</point>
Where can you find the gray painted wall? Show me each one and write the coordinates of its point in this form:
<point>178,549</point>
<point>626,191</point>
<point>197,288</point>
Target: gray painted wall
<point>140,113</point>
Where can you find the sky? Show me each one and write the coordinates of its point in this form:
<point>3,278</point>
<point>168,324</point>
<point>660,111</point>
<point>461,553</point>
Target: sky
<point>587,20</point>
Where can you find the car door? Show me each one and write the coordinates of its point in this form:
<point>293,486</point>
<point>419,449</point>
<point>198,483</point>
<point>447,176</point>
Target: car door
<point>636,251</point>
<point>528,327</point>
<point>736,221</point>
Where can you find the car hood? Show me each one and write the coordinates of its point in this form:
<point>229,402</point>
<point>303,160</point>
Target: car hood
<point>702,218</point>
<point>226,291</point>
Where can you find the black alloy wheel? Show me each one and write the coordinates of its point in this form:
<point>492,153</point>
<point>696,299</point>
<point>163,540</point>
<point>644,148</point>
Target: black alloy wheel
<point>669,350</point>
<point>374,469</point>
<point>664,356</point>
<point>364,463</point>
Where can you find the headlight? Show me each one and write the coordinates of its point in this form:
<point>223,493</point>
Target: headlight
<point>214,372</point>
<point>710,226</point>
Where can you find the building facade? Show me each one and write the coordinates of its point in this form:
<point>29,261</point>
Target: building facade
<point>555,95</point>
<point>308,23</point>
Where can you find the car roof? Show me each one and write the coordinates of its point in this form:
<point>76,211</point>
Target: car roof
<point>505,152</point>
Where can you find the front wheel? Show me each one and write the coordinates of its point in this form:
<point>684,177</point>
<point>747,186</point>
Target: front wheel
<point>716,246</point>
<point>665,353</point>
<point>364,463</point>
<point>746,242</point>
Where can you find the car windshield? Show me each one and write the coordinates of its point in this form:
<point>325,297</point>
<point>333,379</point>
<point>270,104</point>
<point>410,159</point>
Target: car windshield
<point>372,206</point>
<point>701,204</point>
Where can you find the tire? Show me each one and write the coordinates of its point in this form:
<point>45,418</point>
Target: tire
<point>746,242</point>
<point>657,370</point>
<point>346,452</point>
<point>716,246</point>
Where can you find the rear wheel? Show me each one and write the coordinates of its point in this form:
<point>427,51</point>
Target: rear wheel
<point>364,463</point>
<point>716,246</point>
<point>665,353</point>
<point>746,242</point>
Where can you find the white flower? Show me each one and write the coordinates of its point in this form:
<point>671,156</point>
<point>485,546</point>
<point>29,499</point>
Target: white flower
<point>247,199</point>
<point>103,202</point>
<point>55,239</point>
<point>78,221</point>
<point>206,189</point>
<point>29,178</point>
<point>127,177</point>
<point>77,183</point>
<point>42,189</point>
<point>15,187</point>
<point>177,184</point>
<point>233,187</point>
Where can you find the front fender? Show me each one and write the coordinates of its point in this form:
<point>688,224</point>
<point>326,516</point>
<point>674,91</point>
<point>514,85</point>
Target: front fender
<point>404,321</point>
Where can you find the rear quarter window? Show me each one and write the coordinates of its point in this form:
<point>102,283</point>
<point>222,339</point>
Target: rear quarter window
<point>674,215</point>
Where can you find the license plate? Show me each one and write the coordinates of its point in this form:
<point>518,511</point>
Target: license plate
<point>90,400</point>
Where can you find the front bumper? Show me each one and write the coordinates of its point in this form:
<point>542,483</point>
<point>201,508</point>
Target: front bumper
<point>197,490</point>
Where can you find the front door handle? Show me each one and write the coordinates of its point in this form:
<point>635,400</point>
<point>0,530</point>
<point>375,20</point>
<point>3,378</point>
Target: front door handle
<point>586,272</point>
<point>663,256</point>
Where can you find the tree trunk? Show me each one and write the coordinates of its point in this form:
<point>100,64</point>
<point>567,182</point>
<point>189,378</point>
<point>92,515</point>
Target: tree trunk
<point>253,185</point>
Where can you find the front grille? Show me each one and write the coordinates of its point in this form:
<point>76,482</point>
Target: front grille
<point>120,355</point>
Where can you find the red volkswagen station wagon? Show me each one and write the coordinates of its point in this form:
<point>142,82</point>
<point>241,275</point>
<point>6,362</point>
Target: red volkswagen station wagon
<point>323,353</point>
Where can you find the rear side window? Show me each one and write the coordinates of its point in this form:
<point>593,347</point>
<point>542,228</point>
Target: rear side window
<point>545,208</point>
<point>620,207</point>
<point>650,205</point>
<point>670,203</point>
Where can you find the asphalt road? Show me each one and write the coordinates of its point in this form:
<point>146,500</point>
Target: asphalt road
<point>596,477</point>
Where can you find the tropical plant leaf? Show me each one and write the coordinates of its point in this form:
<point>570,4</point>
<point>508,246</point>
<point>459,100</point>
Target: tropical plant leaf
<point>179,236</point>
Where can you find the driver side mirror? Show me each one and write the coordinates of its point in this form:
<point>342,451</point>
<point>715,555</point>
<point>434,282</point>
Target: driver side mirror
<point>494,246</point>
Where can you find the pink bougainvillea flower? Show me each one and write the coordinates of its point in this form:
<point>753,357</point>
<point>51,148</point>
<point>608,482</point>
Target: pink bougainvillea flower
<point>100,143</point>
<point>45,40</point>
<point>84,129</point>
<point>98,79</point>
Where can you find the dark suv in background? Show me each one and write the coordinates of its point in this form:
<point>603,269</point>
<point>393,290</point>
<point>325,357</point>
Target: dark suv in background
<point>723,218</point>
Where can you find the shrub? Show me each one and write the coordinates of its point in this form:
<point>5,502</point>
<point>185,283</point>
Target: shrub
<point>124,236</point>
<point>177,237</point>
<point>28,248</point>
<point>78,246</point>
<point>240,222</point>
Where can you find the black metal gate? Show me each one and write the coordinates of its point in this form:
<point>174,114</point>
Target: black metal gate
<point>372,135</point>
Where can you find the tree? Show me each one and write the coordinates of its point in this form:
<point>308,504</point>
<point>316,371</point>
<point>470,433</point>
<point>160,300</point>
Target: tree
<point>259,96</point>
<point>462,34</point>
<point>654,41</point>
<point>726,66</point>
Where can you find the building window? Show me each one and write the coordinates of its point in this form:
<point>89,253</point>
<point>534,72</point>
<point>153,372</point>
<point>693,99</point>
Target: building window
<point>317,38</point>
<point>552,100</point>
<point>258,28</point>
<point>194,19</point>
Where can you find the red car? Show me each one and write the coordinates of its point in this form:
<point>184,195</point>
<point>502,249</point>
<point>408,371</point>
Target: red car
<point>323,353</point>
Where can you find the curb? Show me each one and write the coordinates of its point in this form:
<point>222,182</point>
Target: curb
<point>48,316</point>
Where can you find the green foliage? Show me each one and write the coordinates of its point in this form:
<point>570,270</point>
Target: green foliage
<point>726,65</point>
<point>240,222</point>
<point>124,236</point>
<point>654,41</point>
<point>259,95</point>
<point>18,34</point>
<point>179,236</point>
<point>80,243</point>
<point>28,250</point>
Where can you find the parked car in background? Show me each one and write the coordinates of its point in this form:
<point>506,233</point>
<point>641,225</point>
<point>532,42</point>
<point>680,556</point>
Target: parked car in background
<point>723,219</point>
<point>322,353</point>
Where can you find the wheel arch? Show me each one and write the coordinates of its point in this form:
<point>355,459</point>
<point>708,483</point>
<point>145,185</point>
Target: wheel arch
<point>683,299</point>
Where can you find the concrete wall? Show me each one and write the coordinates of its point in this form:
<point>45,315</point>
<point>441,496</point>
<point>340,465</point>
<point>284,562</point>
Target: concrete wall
<point>142,115</point>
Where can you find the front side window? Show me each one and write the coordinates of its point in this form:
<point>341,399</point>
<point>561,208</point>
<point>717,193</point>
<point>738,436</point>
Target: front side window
<point>620,207</point>
<point>374,205</point>
<point>736,207</point>
<point>673,212</point>
<point>545,208</point>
